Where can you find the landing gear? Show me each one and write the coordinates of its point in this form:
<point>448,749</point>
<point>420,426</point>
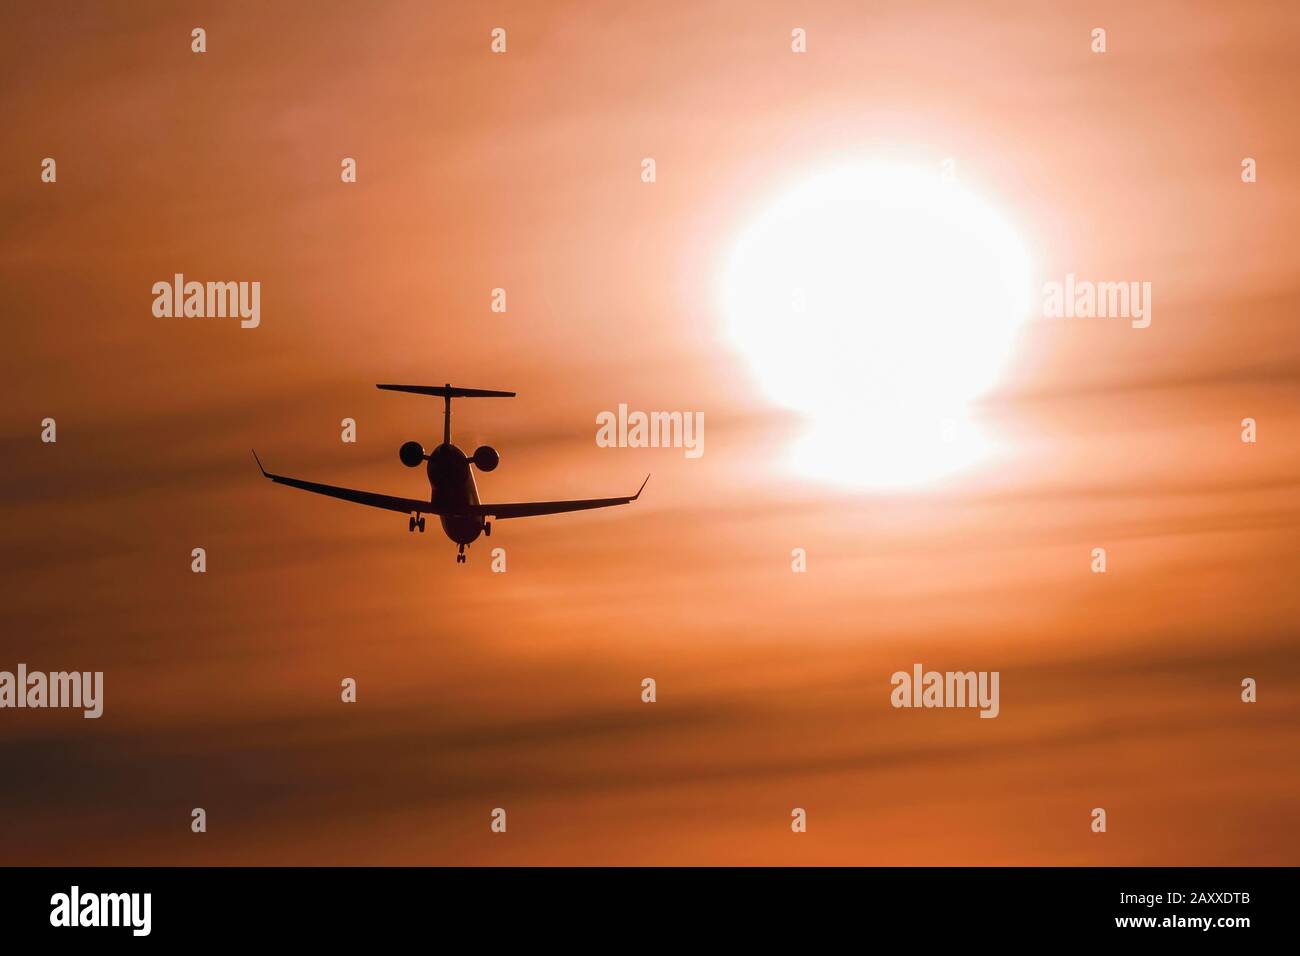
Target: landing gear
<point>460,555</point>
<point>487,529</point>
<point>417,521</point>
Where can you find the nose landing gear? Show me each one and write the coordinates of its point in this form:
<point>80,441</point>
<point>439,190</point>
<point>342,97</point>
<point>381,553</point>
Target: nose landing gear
<point>417,521</point>
<point>460,555</point>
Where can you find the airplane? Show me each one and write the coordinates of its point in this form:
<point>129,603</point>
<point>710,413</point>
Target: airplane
<point>454,496</point>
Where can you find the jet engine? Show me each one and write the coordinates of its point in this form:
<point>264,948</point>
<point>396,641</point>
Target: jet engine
<point>411,453</point>
<point>486,458</point>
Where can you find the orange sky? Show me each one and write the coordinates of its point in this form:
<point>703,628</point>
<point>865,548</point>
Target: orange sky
<point>522,690</point>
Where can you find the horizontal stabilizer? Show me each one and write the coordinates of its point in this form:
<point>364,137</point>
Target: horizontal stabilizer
<point>447,391</point>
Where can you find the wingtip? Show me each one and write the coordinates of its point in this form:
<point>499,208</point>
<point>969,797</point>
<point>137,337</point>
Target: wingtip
<point>259,463</point>
<point>641,489</point>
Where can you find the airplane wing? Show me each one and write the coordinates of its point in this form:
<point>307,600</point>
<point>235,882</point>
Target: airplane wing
<point>527,509</point>
<point>390,502</point>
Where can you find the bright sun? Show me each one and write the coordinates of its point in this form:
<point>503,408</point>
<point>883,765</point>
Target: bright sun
<point>879,302</point>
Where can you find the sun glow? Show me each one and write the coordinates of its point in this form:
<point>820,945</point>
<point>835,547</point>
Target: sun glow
<point>879,303</point>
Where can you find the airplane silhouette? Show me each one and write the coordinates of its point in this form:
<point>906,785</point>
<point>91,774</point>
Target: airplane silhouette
<point>454,497</point>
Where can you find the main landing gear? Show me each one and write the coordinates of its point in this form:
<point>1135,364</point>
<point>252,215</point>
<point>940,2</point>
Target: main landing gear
<point>460,555</point>
<point>417,521</point>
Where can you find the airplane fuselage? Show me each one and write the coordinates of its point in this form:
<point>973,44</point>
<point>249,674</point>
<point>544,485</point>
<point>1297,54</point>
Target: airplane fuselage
<point>451,481</point>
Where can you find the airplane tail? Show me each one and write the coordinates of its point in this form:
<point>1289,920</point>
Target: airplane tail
<point>447,393</point>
